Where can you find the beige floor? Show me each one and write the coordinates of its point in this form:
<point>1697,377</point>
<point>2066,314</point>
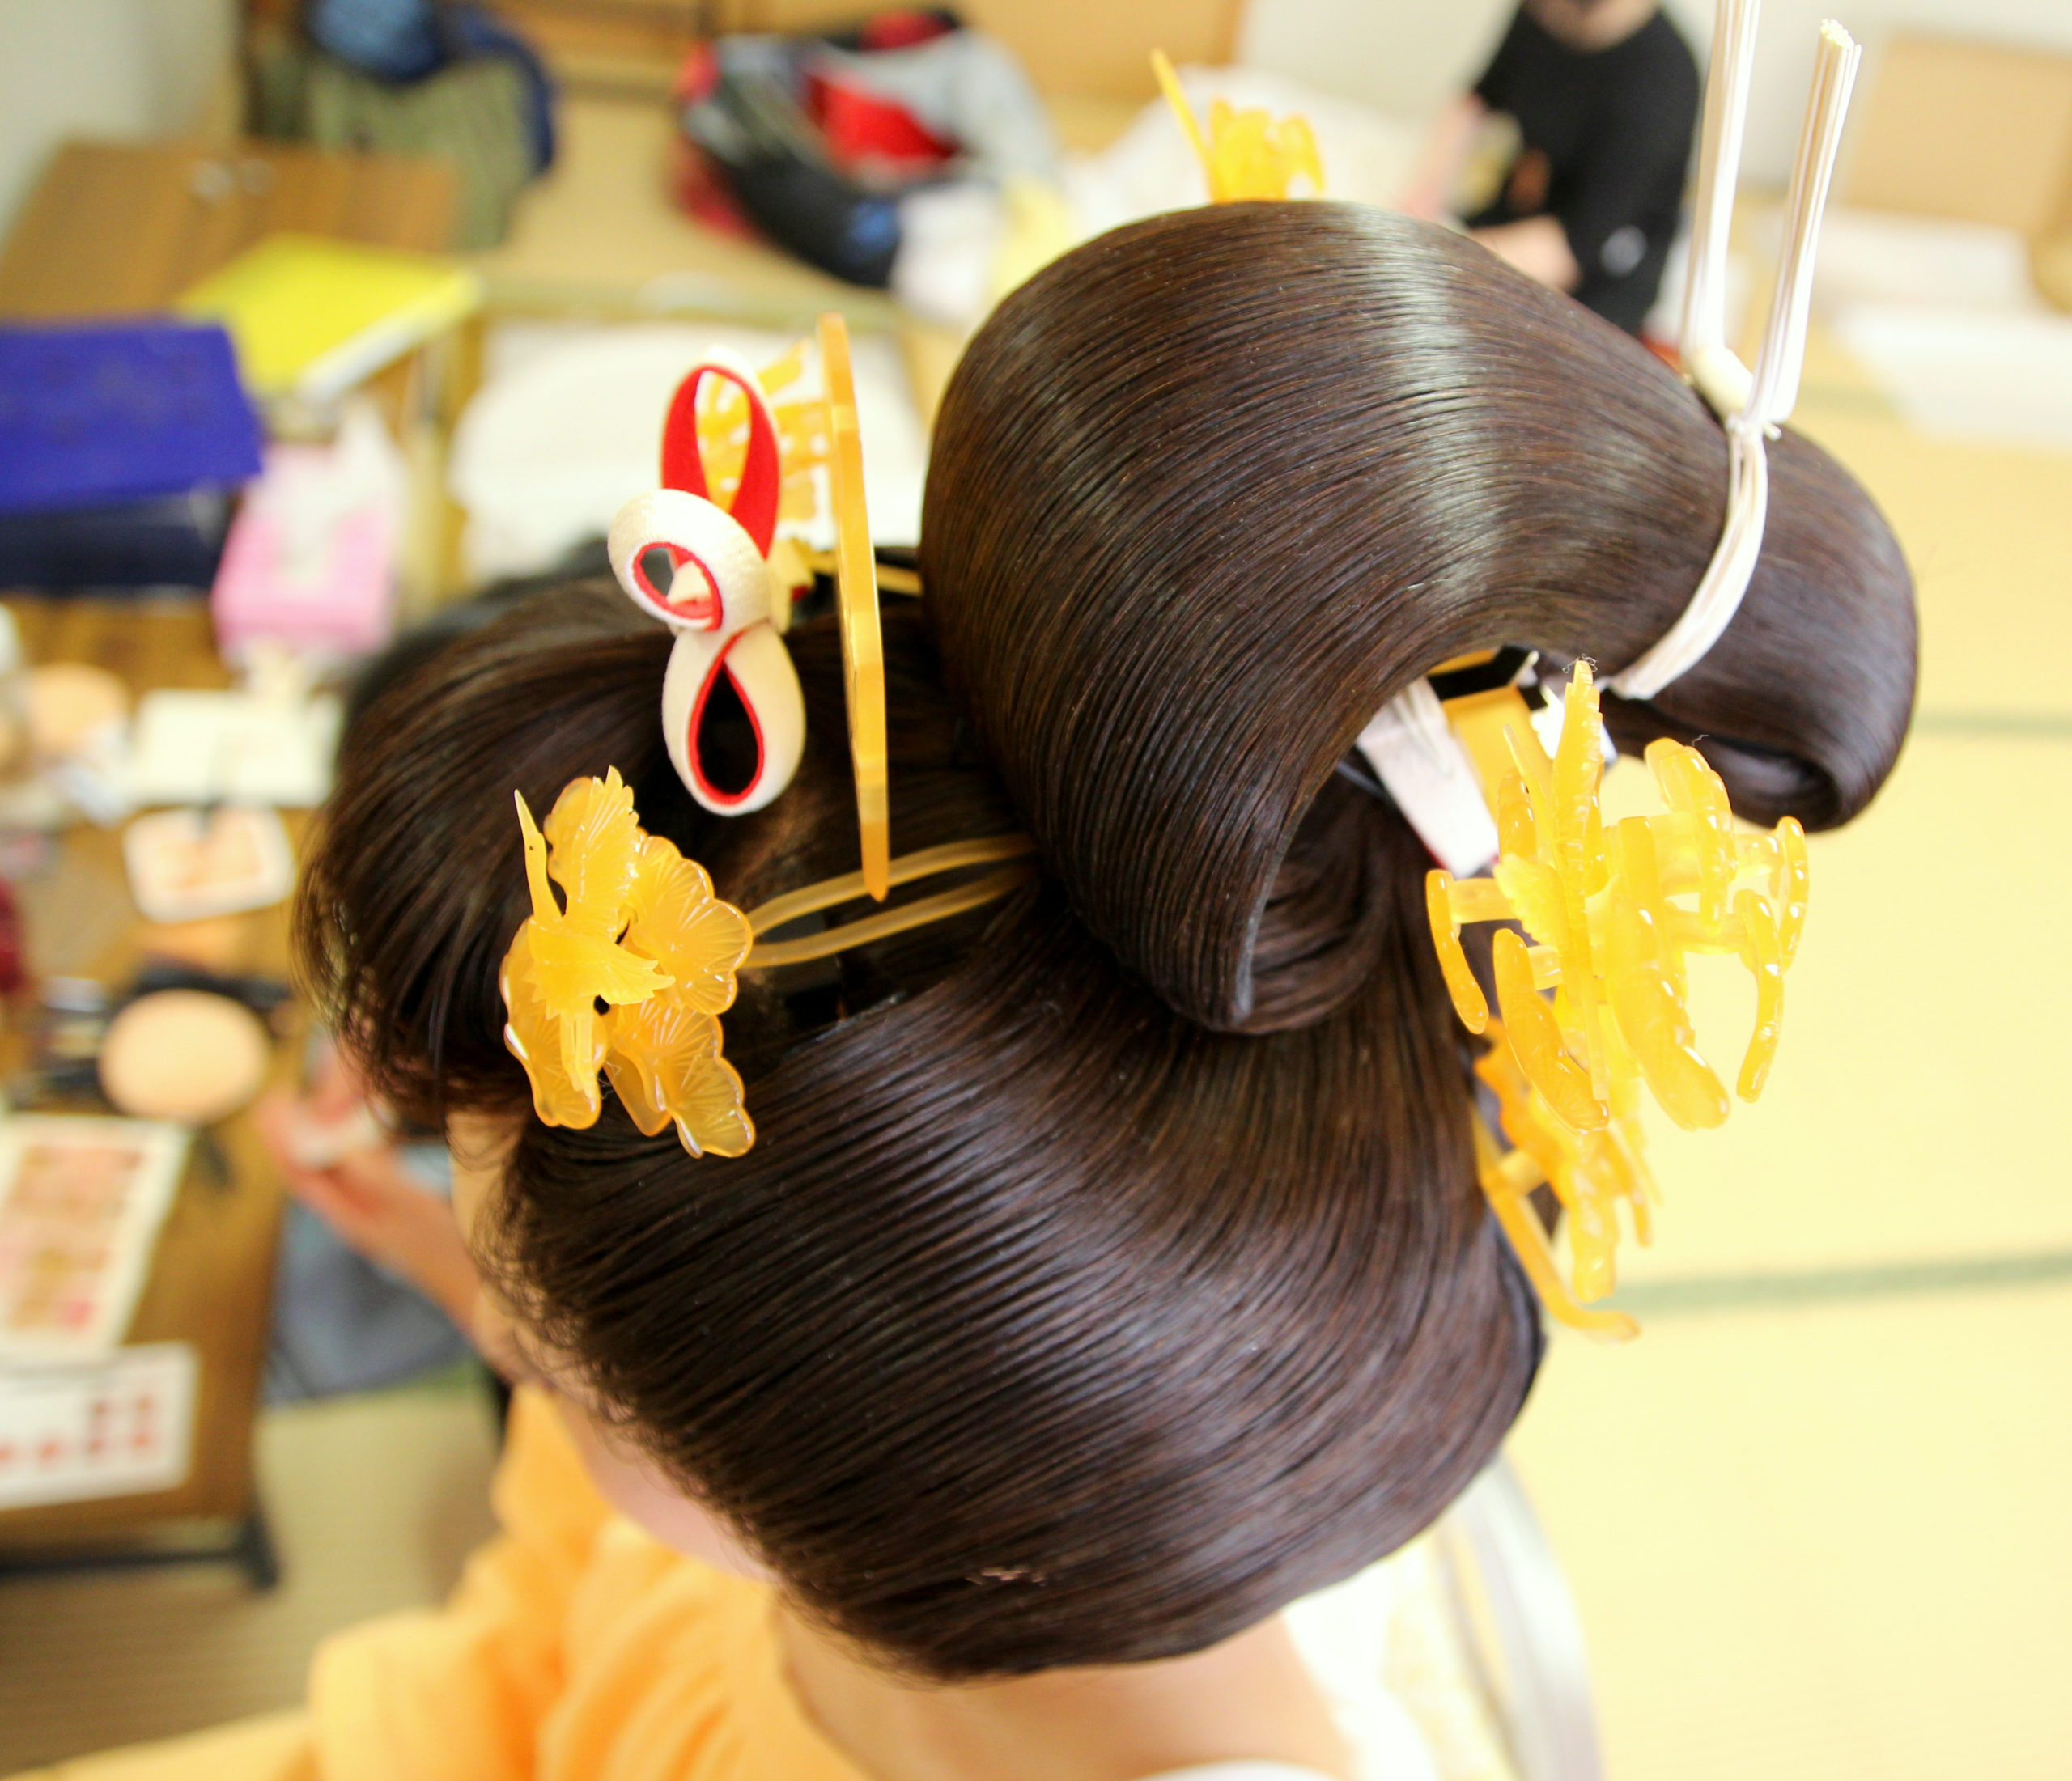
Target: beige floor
<point>1815,1518</point>
<point>374,1501</point>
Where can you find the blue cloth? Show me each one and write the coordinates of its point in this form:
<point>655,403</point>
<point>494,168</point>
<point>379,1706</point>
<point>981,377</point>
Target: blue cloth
<point>474,32</point>
<point>404,41</point>
<point>96,413</point>
<point>394,40</point>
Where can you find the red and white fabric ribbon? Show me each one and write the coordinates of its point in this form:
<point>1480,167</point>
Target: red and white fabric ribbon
<point>718,599</point>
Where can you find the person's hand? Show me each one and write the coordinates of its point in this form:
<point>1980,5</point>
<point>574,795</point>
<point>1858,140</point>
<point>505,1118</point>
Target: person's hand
<point>368,1198</point>
<point>1426,194</point>
<point>1539,246</point>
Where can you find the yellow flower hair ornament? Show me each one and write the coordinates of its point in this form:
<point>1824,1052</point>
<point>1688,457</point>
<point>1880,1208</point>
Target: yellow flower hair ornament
<point>1612,916</point>
<point>1247,153</point>
<point>639,928</point>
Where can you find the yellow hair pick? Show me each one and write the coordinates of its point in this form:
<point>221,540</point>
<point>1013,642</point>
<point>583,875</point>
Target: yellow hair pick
<point>1247,154</point>
<point>863,642</point>
<point>1613,915</point>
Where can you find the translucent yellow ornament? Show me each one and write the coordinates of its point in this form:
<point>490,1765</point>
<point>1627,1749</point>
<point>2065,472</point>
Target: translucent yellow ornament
<point>1613,917</point>
<point>1247,154</point>
<point>637,928</point>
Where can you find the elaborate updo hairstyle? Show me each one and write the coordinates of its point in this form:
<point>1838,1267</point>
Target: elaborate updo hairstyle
<point>1109,1269</point>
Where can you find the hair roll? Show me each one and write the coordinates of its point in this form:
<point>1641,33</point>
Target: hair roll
<point>1335,448</point>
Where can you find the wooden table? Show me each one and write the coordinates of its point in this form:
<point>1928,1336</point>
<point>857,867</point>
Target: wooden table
<point>211,1280</point>
<point>122,228</point>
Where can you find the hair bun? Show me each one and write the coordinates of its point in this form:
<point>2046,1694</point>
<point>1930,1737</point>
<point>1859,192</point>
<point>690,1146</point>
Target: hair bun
<point>1209,491</point>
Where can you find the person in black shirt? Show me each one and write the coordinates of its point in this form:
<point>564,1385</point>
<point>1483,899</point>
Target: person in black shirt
<point>1604,93</point>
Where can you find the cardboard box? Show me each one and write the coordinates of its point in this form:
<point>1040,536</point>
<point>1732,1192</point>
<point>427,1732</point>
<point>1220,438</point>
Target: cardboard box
<point>1068,46</point>
<point>1981,132</point>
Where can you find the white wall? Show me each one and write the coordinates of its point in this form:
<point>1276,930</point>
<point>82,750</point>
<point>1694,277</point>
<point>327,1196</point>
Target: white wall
<point>103,68</point>
<point>1406,56</point>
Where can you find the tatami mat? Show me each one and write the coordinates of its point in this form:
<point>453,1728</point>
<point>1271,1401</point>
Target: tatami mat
<point>1908,1116</point>
<point>1827,1544</point>
<point>374,1501</point>
<point>1814,1516</point>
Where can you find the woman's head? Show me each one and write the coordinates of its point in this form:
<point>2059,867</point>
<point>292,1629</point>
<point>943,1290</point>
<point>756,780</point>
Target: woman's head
<point>1109,1268</point>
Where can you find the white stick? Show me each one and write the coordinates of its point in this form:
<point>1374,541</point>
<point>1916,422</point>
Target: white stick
<point>1783,355</point>
<point>1746,405</point>
<point>1719,167</point>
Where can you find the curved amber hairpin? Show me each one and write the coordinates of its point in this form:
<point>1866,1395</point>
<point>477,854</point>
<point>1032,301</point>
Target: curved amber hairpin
<point>862,643</point>
<point>954,856</point>
<point>1613,915</point>
<point>1247,154</point>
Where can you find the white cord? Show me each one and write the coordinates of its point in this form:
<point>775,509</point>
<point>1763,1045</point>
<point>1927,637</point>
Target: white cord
<point>1748,404</point>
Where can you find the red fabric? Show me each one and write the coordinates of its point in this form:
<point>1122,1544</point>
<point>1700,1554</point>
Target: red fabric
<point>702,190</point>
<point>754,504</point>
<point>857,125</point>
<point>699,75</point>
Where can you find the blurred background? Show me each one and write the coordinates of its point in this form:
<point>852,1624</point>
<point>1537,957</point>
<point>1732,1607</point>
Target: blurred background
<point>319,320</point>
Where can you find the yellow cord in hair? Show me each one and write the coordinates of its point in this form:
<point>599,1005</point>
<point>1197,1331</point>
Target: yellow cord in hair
<point>812,899</point>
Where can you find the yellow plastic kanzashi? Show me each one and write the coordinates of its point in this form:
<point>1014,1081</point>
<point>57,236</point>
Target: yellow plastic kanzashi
<point>637,928</point>
<point>863,638</point>
<point>1248,154</point>
<point>1613,917</point>
<point>805,444</point>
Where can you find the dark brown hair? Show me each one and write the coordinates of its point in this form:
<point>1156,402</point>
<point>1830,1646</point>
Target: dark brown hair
<point>1047,1323</point>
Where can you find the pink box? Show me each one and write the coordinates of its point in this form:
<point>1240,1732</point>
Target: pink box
<point>309,562</point>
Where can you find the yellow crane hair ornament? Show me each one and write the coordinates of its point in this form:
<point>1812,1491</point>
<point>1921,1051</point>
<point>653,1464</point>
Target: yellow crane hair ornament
<point>1612,915</point>
<point>637,928</point>
<point>1247,154</point>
